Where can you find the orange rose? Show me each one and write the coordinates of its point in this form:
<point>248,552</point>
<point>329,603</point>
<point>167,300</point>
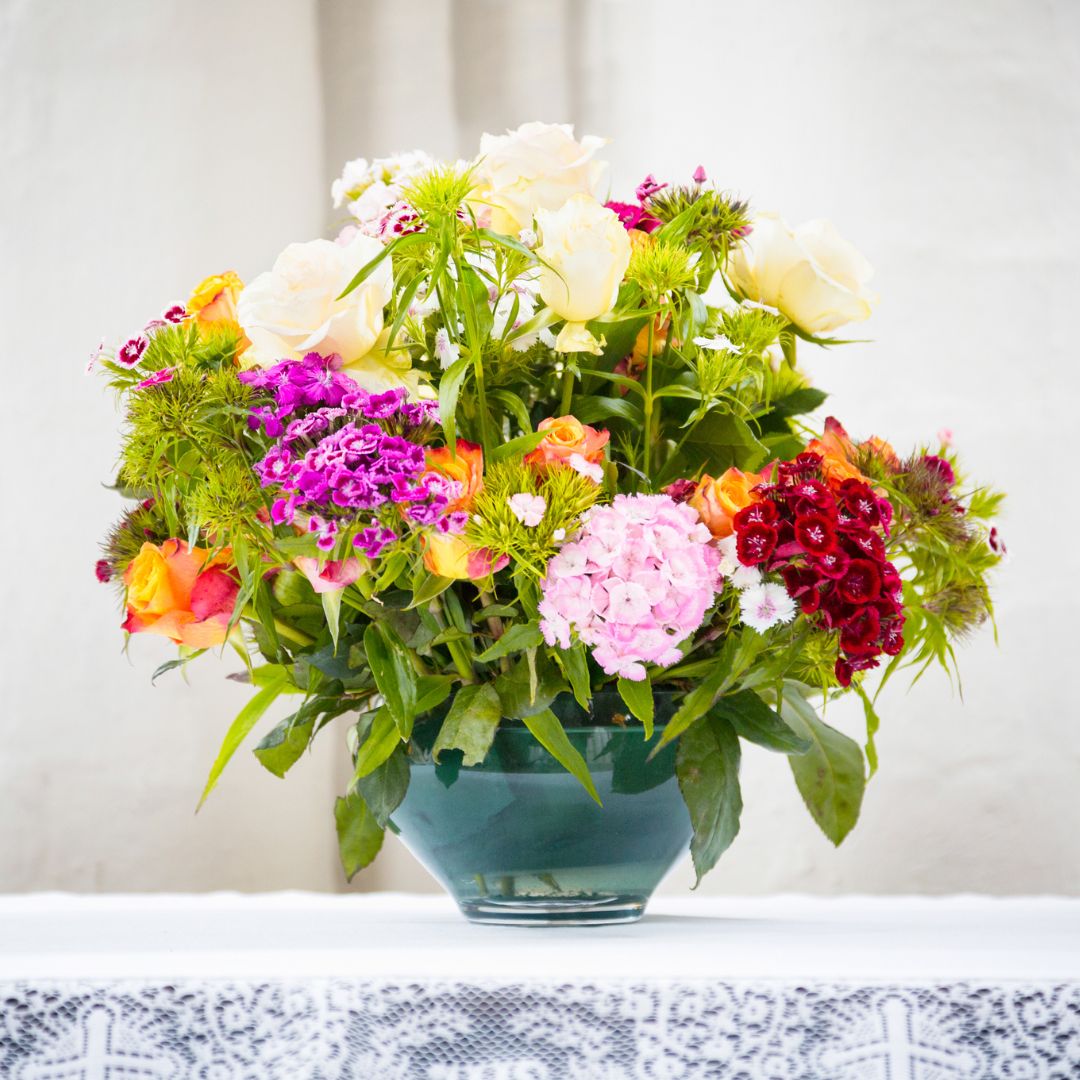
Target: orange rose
<point>179,594</point>
<point>449,555</point>
<point>466,467</point>
<point>641,342</point>
<point>718,501</point>
<point>840,453</point>
<point>564,437</point>
<point>214,301</point>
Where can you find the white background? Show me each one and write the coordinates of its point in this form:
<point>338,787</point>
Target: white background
<point>144,145</point>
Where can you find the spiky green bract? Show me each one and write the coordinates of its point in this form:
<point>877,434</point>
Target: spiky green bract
<point>187,446</point>
<point>940,541</point>
<point>658,268</point>
<point>719,214</point>
<point>441,191</point>
<point>143,524</point>
<point>493,525</point>
<point>750,330</point>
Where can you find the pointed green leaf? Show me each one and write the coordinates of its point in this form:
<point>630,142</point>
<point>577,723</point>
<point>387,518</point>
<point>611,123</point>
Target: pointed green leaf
<point>382,740</point>
<point>829,776</point>
<point>449,389</point>
<point>358,833</point>
<point>757,723</point>
<point>639,700</point>
<point>331,605</point>
<point>384,789</point>
<point>707,765</point>
<point>470,724</point>
<point>517,638</point>
<point>575,666</point>
<point>245,720</point>
<point>280,750</point>
<point>549,732</point>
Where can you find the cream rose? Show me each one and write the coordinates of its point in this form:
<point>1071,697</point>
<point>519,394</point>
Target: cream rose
<point>294,308</point>
<point>537,167</point>
<point>811,273</point>
<point>585,251</point>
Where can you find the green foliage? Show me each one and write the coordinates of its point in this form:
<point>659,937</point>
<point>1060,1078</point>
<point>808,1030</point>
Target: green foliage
<point>470,724</point>
<point>359,834</point>
<point>707,765</point>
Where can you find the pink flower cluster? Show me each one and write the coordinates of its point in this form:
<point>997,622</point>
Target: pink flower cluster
<point>635,582</point>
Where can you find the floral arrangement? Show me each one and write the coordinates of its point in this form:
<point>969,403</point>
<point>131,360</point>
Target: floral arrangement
<point>501,440</point>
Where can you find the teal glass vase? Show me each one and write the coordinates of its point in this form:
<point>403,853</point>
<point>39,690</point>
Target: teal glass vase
<point>517,839</point>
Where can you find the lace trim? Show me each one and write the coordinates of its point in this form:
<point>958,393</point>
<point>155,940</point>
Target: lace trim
<point>448,1030</point>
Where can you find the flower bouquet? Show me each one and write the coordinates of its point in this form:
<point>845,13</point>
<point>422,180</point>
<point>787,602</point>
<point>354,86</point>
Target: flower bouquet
<point>526,484</point>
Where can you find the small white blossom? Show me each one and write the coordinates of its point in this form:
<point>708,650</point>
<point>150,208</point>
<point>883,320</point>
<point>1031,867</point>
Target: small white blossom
<point>527,237</point>
<point>559,535</point>
<point>729,559</point>
<point>718,342</point>
<point>766,605</point>
<point>745,577</point>
<point>446,351</point>
<point>528,509</point>
<point>586,468</point>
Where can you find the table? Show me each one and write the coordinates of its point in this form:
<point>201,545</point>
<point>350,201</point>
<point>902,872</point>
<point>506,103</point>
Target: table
<point>387,986</point>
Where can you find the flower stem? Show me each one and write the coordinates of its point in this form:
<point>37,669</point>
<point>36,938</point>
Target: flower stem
<point>290,633</point>
<point>647,455</point>
<point>567,387</point>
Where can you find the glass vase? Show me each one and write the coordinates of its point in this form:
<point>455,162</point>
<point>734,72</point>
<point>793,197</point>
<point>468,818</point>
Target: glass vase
<point>517,839</point>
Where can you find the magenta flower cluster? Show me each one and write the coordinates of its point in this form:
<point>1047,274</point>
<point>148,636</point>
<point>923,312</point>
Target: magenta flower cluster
<point>632,584</point>
<point>344,457</point>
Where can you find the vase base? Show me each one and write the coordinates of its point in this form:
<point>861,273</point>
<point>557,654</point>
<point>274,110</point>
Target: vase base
<point>554,911</point>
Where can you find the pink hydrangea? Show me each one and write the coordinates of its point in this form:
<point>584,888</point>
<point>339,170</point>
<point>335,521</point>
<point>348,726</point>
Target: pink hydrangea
<point>634,582</point>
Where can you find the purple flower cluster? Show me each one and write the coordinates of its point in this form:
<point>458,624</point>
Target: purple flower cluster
<point>343,455</point>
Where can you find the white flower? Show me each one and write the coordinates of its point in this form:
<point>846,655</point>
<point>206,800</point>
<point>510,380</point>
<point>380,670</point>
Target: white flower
<point>537,167</point>
<point>527,237</point>
<point>586,468</point>
<point>294,309</point>
<point>745,577</point>
<point>811,273</point>
<point>729,559</point>
<point>559,535</point>
<point>372,188</point>
<point>528,509</point>
<point>766,605</point>
<point>718,343</point>
<point>586,252</point>
<point>446,351</point>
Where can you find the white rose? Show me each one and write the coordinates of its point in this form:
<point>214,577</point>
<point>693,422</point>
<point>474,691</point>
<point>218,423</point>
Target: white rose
<point>811,274</point>
<point>537,167</point>
<point>586,252</point>
<point>294,309</point>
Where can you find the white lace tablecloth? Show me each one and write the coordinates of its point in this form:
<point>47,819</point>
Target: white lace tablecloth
<point>295,986</point>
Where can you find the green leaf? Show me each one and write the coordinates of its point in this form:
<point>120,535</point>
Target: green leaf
<point>707,766</point>
<point>429,588</point>
<point>172,665</point>
<point>239,729</point>
<point>830,774</point>
<point>358,833</point>
<point>521,445</point>
<point>389,662</point>
<point>331,605</point>
<point>725,438</point>
<point>549,732</point>
<point>384,789</point>
<point>873,722</point>
<point>590,409</point>
<point>382,740</point>
<point>756,722</point>
<point>280,750</point>
<point>470,724</point>
<point>516,638</point>
<point>449,389</point>
<point>515,690</point>
<point>639,700</point>
<point>432,690</point>
<point>575,666</point>
<point>799,402</point>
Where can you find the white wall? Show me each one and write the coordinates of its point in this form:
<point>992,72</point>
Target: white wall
<point>145,145</point>
<point>142,146</point>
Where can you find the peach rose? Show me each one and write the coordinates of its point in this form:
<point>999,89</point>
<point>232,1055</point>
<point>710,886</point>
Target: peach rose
<point>565,437</point>
<point>718,501</point>
<point>213,301</point>
<point>182,594</point>
<point>466,466</point>
<point>449,555</point>
<point>839,453</point>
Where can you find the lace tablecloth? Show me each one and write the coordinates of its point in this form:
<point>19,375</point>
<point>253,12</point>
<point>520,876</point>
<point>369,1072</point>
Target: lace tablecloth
<point>294,986</point>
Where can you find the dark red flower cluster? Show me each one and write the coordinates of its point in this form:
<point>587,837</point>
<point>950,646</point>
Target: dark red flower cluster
<point>828,544</point>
